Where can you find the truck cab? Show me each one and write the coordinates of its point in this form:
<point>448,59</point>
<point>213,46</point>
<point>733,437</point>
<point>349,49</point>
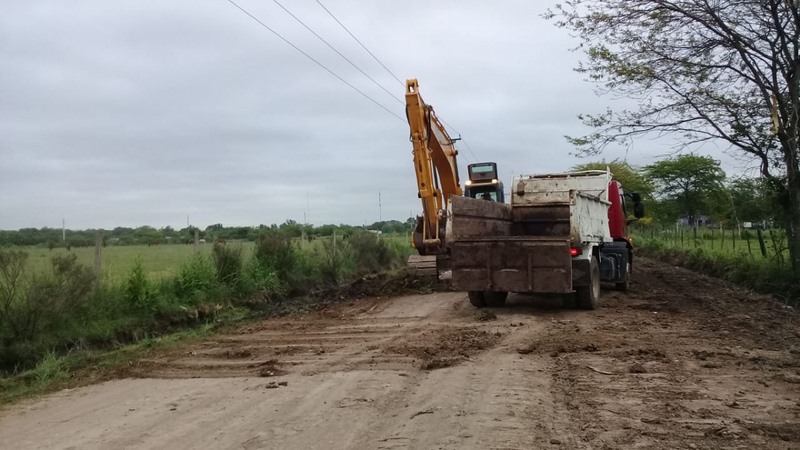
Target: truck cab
<point>483,182</point>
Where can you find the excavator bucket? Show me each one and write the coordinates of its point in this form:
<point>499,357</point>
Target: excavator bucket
<point>423,265</point>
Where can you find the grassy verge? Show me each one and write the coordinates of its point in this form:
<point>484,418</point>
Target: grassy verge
<point>65,327</point>
<point>768,276</point>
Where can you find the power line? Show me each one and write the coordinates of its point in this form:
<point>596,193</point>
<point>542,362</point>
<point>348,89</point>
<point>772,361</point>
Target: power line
<point>360,43</point>
<point>466,144</point>
<point>314,60</point>
<point>338,52</point>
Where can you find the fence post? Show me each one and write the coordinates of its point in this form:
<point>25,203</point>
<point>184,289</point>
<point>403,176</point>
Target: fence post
<point>98,245</point>
<point>712,239</point>
<point>196,239</point>
<point>761,243</point>
<point>334,244</point>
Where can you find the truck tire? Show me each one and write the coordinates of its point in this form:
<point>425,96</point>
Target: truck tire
<point>588,296</point>
<point>495,299</point>
<point>477,299</point>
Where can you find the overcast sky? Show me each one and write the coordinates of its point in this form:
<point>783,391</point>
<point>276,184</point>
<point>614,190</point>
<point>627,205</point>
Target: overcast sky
<point>129,113</point>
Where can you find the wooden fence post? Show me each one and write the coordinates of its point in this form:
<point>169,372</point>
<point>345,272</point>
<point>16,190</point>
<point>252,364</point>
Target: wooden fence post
<point>761,243</point>
<point>98,245</point>
<point>196,239</point>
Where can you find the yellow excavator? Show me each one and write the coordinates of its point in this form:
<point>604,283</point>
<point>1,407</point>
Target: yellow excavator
<point>436,167</point>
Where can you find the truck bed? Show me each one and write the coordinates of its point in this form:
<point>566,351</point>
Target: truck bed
<point>524,248</point>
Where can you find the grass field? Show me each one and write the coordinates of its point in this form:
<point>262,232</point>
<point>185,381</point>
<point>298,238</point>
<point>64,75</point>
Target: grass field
<point>159,262</point>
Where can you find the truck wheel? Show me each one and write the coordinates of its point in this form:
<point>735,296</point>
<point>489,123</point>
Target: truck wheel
<point>588,296</point>
<point>495,299</point>
<point>477,299</point>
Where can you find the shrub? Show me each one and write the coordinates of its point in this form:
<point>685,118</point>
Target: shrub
<point>370,253</point>
<point>332,262</point>
<point>274,249</point>
<point>34,309</point>
<point>196,277</point>
<point>262,279</point>
<point>138,291</point>
<point>228,264</point>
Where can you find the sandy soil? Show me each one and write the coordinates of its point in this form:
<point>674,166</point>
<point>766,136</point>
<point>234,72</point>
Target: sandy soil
<point>680,361</point>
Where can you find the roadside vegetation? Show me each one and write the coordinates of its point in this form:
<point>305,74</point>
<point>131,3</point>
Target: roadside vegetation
<point>58,314</point>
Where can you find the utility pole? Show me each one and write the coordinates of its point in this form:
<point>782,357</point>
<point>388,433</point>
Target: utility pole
<point>380,210</point>
<point>63,230</point>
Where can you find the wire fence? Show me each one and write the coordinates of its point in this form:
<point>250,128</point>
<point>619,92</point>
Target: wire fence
<point>767,245</point>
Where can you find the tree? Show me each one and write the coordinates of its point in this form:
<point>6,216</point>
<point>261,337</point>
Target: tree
<point>701,71</point>
<point>751,200</point>
<point>691,183</point>
<point>631,180</point>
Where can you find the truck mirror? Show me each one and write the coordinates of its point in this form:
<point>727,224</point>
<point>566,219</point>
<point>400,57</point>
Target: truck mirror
<point>638,210</point>
<point>636,197</point>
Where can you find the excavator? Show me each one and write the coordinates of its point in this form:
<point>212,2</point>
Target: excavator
<point>436,167</point>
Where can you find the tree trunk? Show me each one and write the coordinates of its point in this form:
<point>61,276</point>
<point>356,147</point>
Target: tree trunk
<point>792,198</point>
<point>793,219</point>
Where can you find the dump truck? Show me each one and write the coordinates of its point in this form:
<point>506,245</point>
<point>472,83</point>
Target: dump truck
<point>562,233</point>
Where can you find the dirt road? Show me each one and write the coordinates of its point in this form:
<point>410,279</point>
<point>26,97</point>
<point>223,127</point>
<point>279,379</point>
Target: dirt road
<point>681,361</point>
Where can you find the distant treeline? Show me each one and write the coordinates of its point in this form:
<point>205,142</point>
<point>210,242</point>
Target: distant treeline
<point>52,237</point>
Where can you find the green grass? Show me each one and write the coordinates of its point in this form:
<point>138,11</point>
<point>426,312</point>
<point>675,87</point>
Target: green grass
<point>77,368</point>
<point>720,242</point>
<point>163,262</point>
<point>159,262</point>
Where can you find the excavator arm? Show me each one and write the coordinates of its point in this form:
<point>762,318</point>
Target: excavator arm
<point>436,170</point>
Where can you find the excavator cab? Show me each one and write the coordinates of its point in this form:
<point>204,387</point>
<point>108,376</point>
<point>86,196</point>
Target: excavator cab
<point>483,182</point>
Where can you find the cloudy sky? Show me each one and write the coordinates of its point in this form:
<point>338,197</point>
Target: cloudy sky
<point>144,112</point>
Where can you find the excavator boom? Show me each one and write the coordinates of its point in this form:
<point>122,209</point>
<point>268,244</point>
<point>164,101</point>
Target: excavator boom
<point>436,167</point>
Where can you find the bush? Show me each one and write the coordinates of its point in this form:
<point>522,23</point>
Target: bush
<point>35,309</point>
<point>274,249</point>
<point>138,292</point>
<point>332,262</point>
<point>196,277</point>
<point>371,254</point>
<point>262,279</point>
<point>228,264</point>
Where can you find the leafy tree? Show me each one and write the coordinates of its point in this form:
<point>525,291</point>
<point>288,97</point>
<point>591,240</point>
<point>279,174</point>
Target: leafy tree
<point>750,200</point>
<point>700,71</point>
<point>691,183</point>
<point>632,181</point>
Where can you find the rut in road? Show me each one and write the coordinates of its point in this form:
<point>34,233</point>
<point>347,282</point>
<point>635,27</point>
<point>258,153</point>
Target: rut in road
<point>423,332</point>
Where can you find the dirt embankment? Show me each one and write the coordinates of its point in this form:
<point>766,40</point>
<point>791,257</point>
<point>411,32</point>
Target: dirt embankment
<point>680,361</point>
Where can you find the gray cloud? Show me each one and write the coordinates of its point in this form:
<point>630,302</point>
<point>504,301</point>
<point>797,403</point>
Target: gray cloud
<point>143,112</point>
